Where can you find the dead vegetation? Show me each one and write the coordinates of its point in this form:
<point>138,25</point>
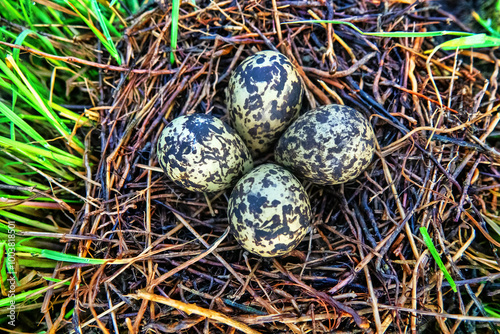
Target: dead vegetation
<point>364,265</point>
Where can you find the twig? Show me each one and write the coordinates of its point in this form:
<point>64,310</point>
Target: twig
<point>90,63</point>
<point>192,308</point>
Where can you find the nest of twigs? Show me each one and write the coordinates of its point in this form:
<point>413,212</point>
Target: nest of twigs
<point>364,266</point>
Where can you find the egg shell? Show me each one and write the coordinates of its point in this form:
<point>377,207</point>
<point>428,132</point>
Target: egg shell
<point>201,153</point>
<point>269,211</point>
<point>263,97</point>
<point>329,145</point>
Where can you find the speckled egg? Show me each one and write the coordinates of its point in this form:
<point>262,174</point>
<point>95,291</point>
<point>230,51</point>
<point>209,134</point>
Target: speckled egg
<point>263,97</point>
<point>328,145</point>
<point>269,211</point>
<point>201,153</point>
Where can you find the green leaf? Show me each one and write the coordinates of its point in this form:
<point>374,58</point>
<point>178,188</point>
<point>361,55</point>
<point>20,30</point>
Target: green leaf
<point>435,255</point>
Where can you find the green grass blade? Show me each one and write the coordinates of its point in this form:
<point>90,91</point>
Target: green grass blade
<point>21,124</point>
<point>27,13</point>
<point>53,255</point>
<point>486,24</point>
<point>51,18</point>
<point>132,5</point>
<point>55,280</point>
<point>102,38</point>
<point>40,199</point>
<point>27,221</point>
<point>13,181</point>
<point>23,296</point>
<point>492,311</point>
<point>69,313</point>
<point>58,20</point>
<point>468,40</point>
<point>3,269</point>
<point>13,36</point>
<point>57,256</point>
<point>21,37</point>
<point>492,223</point>
<point>36,263</point>
<point>104,23</point>
<point>175,29</point>
<point>10,10</point>
<point>435,255</point>
<point>29,92</point>
<point>388,34</point>
<point>475,41</point>
<point>55,154</point>
<point>12,131</point>
<point>43,164</point>
<point>72,116</point>
<point>65,159</point>
<point>8,180</point>
<point>7,85</point>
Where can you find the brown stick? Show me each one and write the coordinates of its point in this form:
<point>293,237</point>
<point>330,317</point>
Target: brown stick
<point>192,308</point>
<point>88,63</point>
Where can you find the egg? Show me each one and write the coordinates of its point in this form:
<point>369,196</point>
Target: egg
<point>329,145</point>
<point>269,211</point>
<point>263,97</point>
<point>201,153</point>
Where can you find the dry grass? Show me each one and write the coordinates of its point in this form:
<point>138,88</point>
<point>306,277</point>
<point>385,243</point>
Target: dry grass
<point>364,265</point>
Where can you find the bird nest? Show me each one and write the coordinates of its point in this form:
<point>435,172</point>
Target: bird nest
<point>365,264</point>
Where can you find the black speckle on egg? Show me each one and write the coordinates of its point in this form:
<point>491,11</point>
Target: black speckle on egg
<point>201,153</point>
<point>329,145</point>
<point>263,97</point>
<point>269,211</point>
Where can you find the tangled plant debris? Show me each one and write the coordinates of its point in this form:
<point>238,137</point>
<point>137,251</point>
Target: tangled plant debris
<point>364,266</point>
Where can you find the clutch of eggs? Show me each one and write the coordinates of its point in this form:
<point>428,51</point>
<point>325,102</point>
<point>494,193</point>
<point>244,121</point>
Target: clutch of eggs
<point>263,97</point>
<point>201,153</point>
<point>269,211</point>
